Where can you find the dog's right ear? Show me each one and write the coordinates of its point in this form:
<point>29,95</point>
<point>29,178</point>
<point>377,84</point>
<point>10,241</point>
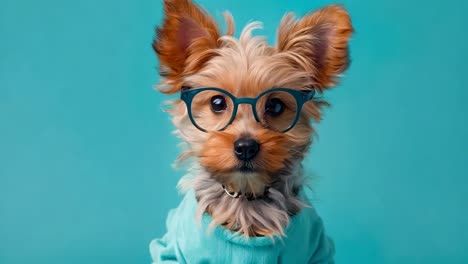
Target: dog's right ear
<point>186,40</point>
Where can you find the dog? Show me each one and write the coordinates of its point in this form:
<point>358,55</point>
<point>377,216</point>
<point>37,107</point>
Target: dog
<point>245,115</point>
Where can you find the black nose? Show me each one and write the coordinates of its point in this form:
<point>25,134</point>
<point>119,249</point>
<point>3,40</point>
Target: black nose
<point>246,148</point>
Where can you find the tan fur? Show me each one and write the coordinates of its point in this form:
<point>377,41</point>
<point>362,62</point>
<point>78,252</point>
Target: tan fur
<point>322,38</point>
<point>311,51</point>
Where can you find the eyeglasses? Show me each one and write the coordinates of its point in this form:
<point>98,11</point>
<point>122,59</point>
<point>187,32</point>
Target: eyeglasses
<point>214,109</point>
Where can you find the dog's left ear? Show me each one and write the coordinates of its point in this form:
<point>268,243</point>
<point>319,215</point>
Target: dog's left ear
<point>186,40</point>
<point>318,43</point>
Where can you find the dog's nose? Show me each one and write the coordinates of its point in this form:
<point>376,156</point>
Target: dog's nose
<point>246,148</point>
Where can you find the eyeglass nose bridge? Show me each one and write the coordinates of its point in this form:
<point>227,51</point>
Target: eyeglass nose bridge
<point>245,100</point>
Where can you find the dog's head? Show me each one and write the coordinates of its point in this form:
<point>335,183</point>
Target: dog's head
<point>237,119</point>
<point>245,145</point>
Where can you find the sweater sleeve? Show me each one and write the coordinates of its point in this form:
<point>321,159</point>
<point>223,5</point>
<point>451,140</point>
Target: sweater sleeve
<point>324,247</point>
<point>164,250</point>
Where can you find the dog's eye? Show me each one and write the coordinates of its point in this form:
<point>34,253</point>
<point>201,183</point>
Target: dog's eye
<point>218,103</point>
<point>274,107</point>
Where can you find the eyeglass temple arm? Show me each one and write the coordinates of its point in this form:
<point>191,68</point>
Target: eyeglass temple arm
<point>310,93</point>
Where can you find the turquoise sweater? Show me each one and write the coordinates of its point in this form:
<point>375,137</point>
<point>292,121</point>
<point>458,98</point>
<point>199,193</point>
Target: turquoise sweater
<point>187,241</point>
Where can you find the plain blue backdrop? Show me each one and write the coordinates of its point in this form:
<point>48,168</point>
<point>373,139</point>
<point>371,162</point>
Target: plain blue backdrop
<point>86,151</point>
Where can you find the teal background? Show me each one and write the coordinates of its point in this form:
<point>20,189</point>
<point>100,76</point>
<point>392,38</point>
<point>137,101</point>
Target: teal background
<point>86,151</point>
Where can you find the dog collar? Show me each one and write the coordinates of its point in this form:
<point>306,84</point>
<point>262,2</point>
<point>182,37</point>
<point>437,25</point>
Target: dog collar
<point>249,196</point>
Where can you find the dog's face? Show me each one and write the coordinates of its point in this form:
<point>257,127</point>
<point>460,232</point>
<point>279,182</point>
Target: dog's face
<point>249,152</point>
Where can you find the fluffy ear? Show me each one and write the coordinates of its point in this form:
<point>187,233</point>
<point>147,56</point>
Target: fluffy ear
<point>318,43</point>
<point>187,33</point>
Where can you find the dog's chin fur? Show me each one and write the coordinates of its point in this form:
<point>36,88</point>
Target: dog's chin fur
<point>311,51</point>
<point>266,215</point>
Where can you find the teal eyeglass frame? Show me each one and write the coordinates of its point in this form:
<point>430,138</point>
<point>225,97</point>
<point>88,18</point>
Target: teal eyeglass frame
<point>302,96</point>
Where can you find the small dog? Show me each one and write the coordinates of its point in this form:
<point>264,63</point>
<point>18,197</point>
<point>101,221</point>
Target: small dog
<point>245,113</point>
